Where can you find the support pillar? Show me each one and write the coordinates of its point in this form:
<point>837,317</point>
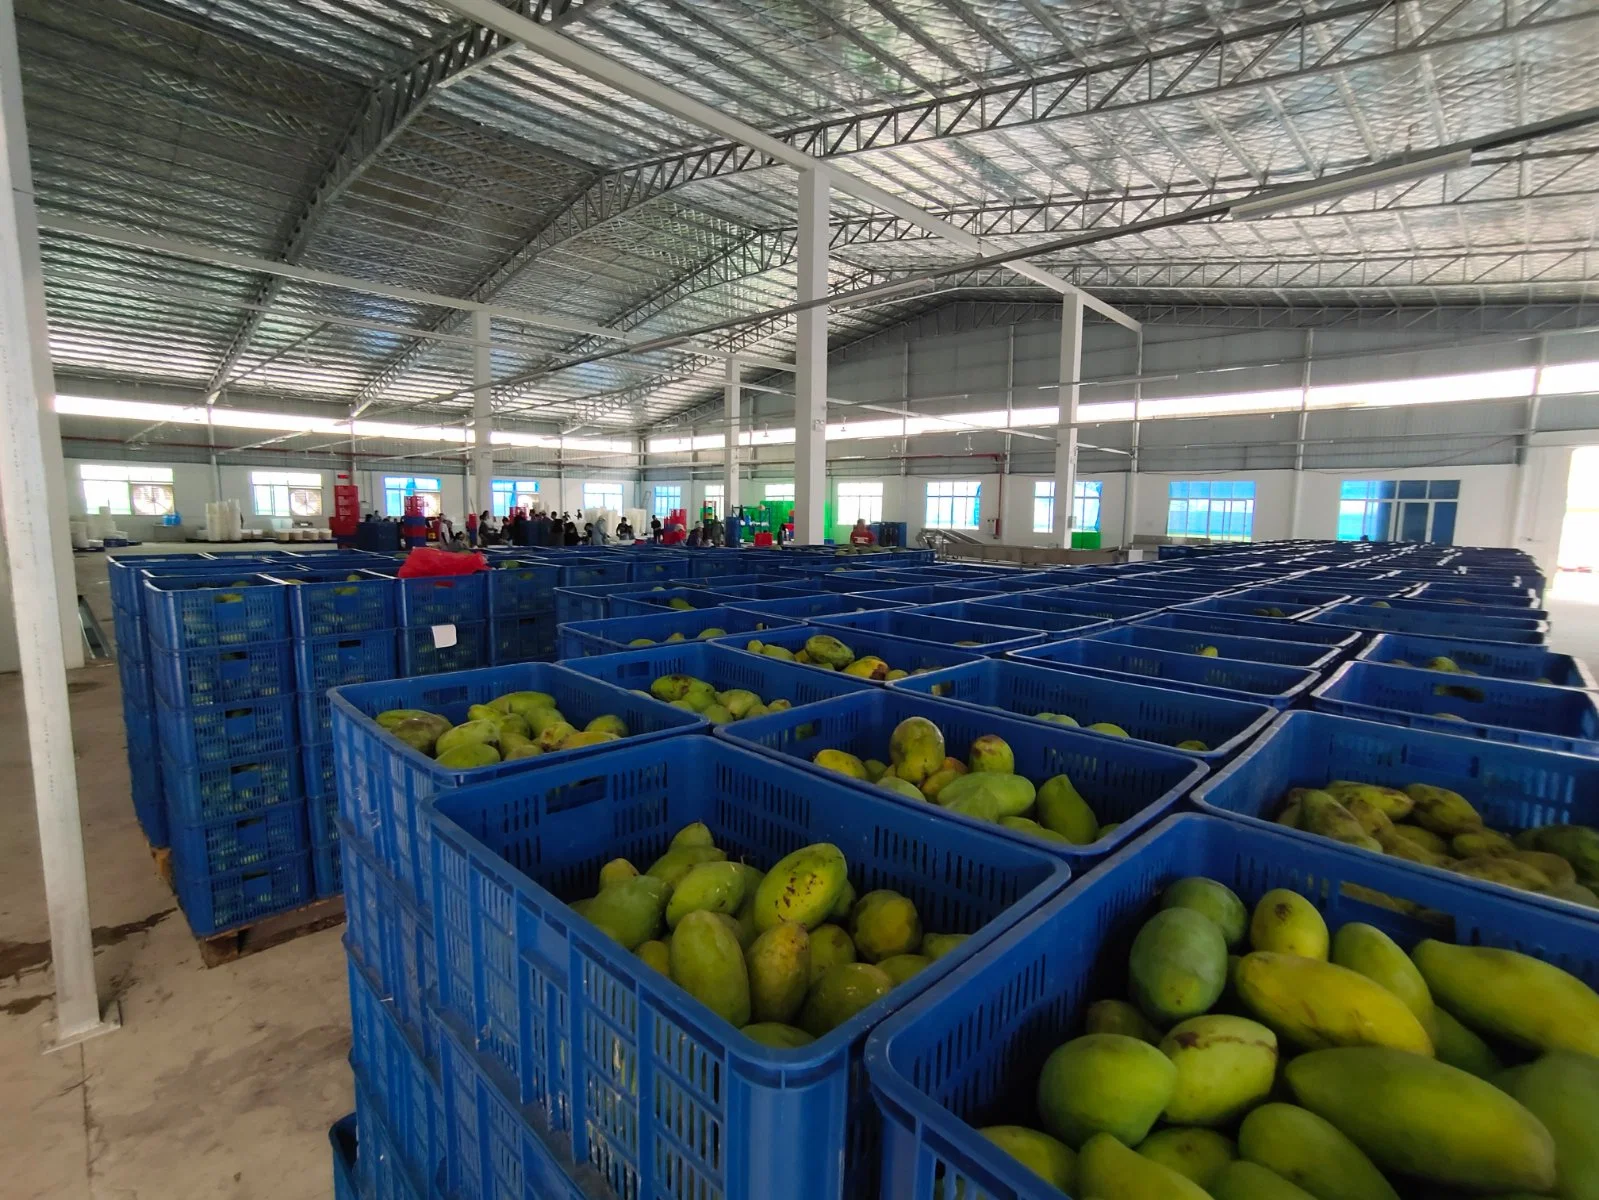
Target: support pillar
<point>482,412</point>
<point>730,498</point>
<point>26,388</point>
<point>1130,484</point>
<point>1520,531</point>
<point>1296,501</point>
<point>810,363</point>
<point>1071,376</point>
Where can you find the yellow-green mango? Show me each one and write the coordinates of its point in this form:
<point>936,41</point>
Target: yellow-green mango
<point>657,955</point>
<point>1552,867</point>
<point>1500,869</point>
<point>1225,1066</point>
<point>1062,808</point>
<point>916,749</point>
<point>1562,1091</point>
<point>875,768</point>
<point>842,992</point>
<point>900,967</point>
<point>1287,923</point>
<point>630,912</point>
<point>1512,996</point>
<point>607,723</point>
<point>1425,838</point>
<point>779,964</point>
<point>1458,1046</point>
<point>1369,951</point>
<point>465,758</point>
<point>1197,1154</point>
<point>1412,849</point>
<point>844,905</point>
<point>1309,1151</point>
<point>513,747</point>
<point>680,860</point>
<point>1104,1083</point>
<point>1041,1154</point>
<point>1012,794</point>
<point>840,761</point>
<point>468,733</point>
<point>1108,1170</point>
<point>935,783</point>
<point>1033,829</point>
<point>1250,1181</point>
<point>1444,812</point>
<point>1210,899</point>
<point>709,887</point>
<point>936,945</point>
<point>831,946</point>
<point>540,719</point>
<point>708,964</point>
<point>618,870</point>
<point>1480,842</point>
<point>1118,1016</point>
<point>394,716</point>
<point>556,735</point>
<point>775,1035</point>
<point>1420,1117</point>
<point>804,886</point>
<point>991,754</point>
<point>1314,1005</point>
<point>828,651</point>
<point>885,923</point>
<point>697,834</point>
<point>1319,813</point>
<point>1393,803</point>
<point>893,783</point>
<point>1177,966</point>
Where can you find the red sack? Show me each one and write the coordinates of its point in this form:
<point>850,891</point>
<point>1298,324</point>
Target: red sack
<point>425,562</point>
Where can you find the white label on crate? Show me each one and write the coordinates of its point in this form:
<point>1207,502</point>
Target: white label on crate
<point>443,636</point>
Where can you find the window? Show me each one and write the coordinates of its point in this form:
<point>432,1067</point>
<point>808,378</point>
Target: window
<point>127,491</point>
<point>715,496</point>
<point>506,494</point>
<point>1085,506</point>
<point>287,493</point>
<point>397,487</point>
<point>1219,510</point>
<point>860,502</point>
<point>953,504</point>
<point>602,495</point>
<point>668,497</point>
<point>780,492</point>
<point>1398,510</point>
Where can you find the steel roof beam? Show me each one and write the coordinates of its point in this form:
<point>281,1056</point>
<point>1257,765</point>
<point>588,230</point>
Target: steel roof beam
<point>390,106</point>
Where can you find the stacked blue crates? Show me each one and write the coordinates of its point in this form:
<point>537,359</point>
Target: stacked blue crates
<point>343,625</point>
<point>443,623</point>
<point>224,714</point>
<point>521,610</point>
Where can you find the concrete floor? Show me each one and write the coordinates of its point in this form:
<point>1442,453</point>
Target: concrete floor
<point>221,1082</point>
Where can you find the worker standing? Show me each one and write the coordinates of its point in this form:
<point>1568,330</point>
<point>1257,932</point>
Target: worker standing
<point>471,529</point>
<point>860,535</point>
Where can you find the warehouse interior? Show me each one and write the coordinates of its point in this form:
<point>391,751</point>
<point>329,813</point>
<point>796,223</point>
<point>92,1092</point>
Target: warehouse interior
<point>1021,276</point>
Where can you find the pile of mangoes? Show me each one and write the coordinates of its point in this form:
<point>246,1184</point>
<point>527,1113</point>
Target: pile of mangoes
<point>1440,663</point>
<point>1439,828</point>
<point>1111,728</point>
<point>702,636</point>
<point>785,955</point>
<point>824,650</point>
<point>515,725</point>
<point>719,708</point>
<point>1313,1067</point>
<point>984,786</point>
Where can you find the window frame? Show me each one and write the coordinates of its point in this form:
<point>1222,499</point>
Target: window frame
<point>1084,493</point>
<point>506,494</point>
<point>126,490</point>
<point>610,488</point>
<point>676,492</point>
<point>280,489</point>
<point>715,499</point>
<point>859,491</point>
<point>1379,504</point>
<point>1233,500</point>
<point>779,488</point>
<point>394,497</point>
<point>942,502</point>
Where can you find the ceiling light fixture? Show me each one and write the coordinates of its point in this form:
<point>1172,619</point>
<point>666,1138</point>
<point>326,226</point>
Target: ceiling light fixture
<point>1336,187</point>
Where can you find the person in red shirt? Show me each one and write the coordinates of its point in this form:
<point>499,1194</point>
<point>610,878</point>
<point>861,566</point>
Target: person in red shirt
<point>860,535</point>
<point>471,528</point>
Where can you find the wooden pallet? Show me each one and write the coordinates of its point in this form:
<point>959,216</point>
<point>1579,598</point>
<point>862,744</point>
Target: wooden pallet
<point>271,931</point>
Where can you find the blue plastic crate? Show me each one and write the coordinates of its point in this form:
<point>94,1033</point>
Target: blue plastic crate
<point>554,1004</point>
<point>809,608</point>
<point>1513,787</point>
<point>1501,710</point>
<point>342,1135</point>
<point>1517,616</point>
<point>1506,597</point>
<point>195,614</point>
<point>324,662</point>
<point>221,676</point>
<point>517,586</point>
<point>1251,609</point>
<point>724,668</point>
<point>392,940</point>
<point>137,680</point>
<point>1531,664</point>
<point>204,735</point>
<point>1153,716</point>
<point>384,785</point>
<point>762,591</point>
<point>237,843</point>
<point>149,796</point>
<point>422,654</point>
<point>395,1079</point>
<point>967,1054</point>
<point>526,638</point>
<point>593,603</point>
<point>196,795</point>
<point>1250,649</point>
<point>1307,632</point>
<point>326,602</point>
<point>649,603</point>
<point>380,1167</point>
<point>216,902</point>
<point>1020,581</point>
<point>614,634</point>
<point>1297,593</point>
<point>1081,602</point>
<point>940,631</point>
<point>900,654</point>
<point>1054,624</point>
<point>123,573</point>
<point>658,566</point>
<point>593,570</point>
<point>1266,683</point>
<point>1428,624</point>
<point>444,600</point>
<point>915,595</point>
<point>1123,781</point>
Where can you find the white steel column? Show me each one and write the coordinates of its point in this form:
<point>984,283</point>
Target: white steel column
<point>24,483</point>
<point>1130,484</point>
<point>1524,471</point>
<point>810,363</point>
<point>1071,376</point>
<point>730,499</point>
<point>1297,500</point>
<point>482,411</point>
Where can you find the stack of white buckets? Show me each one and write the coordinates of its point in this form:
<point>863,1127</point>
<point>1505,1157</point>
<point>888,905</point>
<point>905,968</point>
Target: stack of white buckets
<point>223,521</point>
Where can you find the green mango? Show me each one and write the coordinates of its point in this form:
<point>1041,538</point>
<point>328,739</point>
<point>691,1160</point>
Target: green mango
<point>1562,1091</point>
<point>1062,808</point>
<point>1249,1181</point>
<point>779,965</point>
<point>884,924</point>
<point>900,967</point>
<point>1108,1170</point>
<point>1177,966</point>
<point>468,757</point>
<point>1104,1083</point>
<point>830,946</point>
<point>618,870</point>
<point>777,1036</point>
<point>1225,1067</point>
<point>1050,1160</point>
<point>843,991</point>
<point>936,945</point>
<point>469,733</point>
<point>1197,1154</point>
<point>1458,1046</point>
<point>680,860</point>
<point>1309,1152</point>
<point>1118,1016</point>
<point>392,717</point>
<point>804,886</point>
<point>992,754</point>
<point>422,736</point>
<point>978,791</point>
<point>708,964</point>
<point>607,723</point>
<point>709,887</point>
<point>1211,899</point>
<point>915,748</point>
<point>697,834</point>
<point>657,955</point>
<point>630,912</point>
